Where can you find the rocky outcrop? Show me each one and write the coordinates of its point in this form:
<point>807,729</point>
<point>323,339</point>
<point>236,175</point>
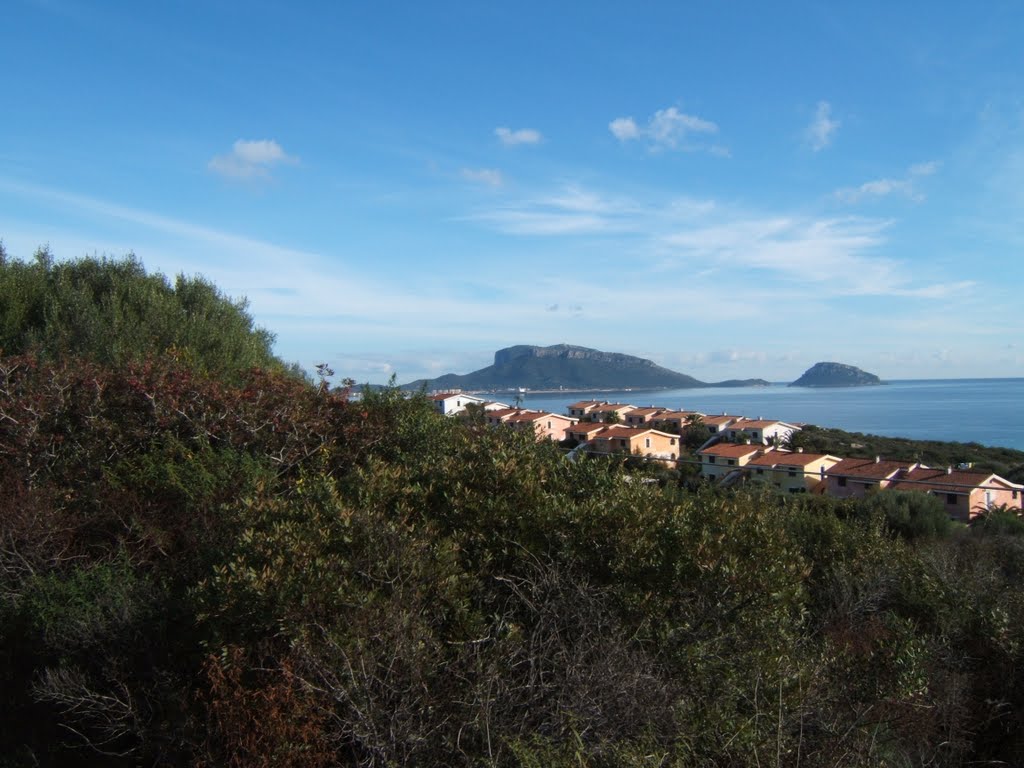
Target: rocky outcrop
<point>568,367</point>
<point>835,375</point>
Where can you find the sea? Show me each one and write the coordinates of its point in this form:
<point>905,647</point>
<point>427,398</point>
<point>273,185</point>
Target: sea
<point>985,411</point>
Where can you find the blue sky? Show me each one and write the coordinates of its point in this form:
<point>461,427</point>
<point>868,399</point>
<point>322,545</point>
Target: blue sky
<point>732,189</point>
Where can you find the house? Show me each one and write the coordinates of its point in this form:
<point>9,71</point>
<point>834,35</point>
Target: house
<point>965,493</point>
<point>584,407</point>
<point>552,426</point>
<point>716,424</point>
<point>722,458</point>
<point>637,441</point>
<point>500,415</point>
<point>640,416</point>
<point>614,412</point>
<point>675,421</point>
<point>450,403</point>
<point>762,431</point>
<point>584,431</point>
<point>856,477</point>
<point>792,472</point>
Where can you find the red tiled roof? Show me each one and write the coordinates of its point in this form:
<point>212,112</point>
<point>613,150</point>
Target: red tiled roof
<point>867,468</point>
<point>612,407</point>
<point>719,420</point>
<point>758,424</point>
<point>587,404</point>
<point>957,481</point>
<point>769,459</point>
<point>795,459</point>
<point>499,413</point>
<point>730,450</point>
<point>587,427</point>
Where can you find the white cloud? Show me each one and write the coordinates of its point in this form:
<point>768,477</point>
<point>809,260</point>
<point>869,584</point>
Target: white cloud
<point>822,127</point>
<point>250,159</point>
<point>624,128</point>
<point>489,176</point>
<point>904,186</point>
<point>924,169</point>
<point>511,138</point>
<point>571,211</point>
<point>666,129</point>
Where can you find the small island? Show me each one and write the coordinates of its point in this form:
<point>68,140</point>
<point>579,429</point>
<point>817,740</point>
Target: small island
<point>836,375</point>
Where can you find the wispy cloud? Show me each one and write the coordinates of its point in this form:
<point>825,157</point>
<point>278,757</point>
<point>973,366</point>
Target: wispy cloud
<point>665,129</point>
<point>569,211</point>
<point>904,185</point>
<point>250,159</point>
<point>512,138</point>
<point>822,128</point>
<point>488,176</point>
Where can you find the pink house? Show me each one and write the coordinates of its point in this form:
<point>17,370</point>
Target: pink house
<point>545,425</point>
<point>965,493</point>
<point>583,407</point>
<point>640,416</point>
<point>854,478</point>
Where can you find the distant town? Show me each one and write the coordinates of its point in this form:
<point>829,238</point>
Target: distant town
<point>729,449</point>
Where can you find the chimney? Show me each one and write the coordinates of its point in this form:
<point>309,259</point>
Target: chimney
<point>877,459</point>
<point>949,470</point>
<point>800,449</point>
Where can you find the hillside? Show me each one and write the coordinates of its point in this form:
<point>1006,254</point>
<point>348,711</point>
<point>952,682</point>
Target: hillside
<point>835,375</point>
<point>569,367</point>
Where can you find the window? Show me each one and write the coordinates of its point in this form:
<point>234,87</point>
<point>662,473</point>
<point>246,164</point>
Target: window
<point>841,481</point>
<point>711,459</point>
<point>731,462</point>
<point>549,425</point>
<point>951,498</point>
<point>672,441</point>
<point>647,442</point>
<point>792,473</point>
<point>760,471</point>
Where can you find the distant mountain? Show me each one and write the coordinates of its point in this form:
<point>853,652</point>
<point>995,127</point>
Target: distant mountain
<point>835,375</point>
<point>569,367</point>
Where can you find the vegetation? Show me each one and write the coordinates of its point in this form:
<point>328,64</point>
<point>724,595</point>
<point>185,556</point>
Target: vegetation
<point>253,570</point>
<point>1006,462</point>
<point>111,312</point>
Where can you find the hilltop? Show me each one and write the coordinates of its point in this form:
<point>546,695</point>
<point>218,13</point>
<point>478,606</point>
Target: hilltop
<point>570,367</point>
<point>835,375</point>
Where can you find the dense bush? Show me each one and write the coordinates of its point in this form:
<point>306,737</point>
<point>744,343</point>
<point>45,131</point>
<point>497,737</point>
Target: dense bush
<point>111,311</point>
<point>252,570</point>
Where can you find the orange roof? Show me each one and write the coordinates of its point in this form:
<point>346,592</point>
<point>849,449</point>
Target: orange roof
<point>500,413</point>
<point>760,423</point>
<point>797,459</point>
<point>612,407</point>
<point>769,459</point>
<point>872,469</point>
<point>645,411</point>
<point>730,450</point>
<point>587,427</point>
<point>946,481</point>
<point>679,414</point>
<point>720,420</point>
<point>587,404</point>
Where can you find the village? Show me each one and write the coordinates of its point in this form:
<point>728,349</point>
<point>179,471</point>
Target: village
<point>739,449</point>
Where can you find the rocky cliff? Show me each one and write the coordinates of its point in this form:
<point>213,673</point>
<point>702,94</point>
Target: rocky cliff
<point>569,367</point>
<point>835,375</point>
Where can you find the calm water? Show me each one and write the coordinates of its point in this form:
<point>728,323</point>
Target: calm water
<point>987,411</point>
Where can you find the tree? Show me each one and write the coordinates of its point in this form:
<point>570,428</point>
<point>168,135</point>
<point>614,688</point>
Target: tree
<point>111,311</point>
